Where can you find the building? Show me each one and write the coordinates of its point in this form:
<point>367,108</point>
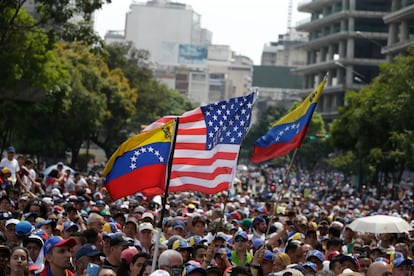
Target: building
<point>401,28</point>
<point>170,30</point>
<point>277,85</point>
<point>345,40</point>
<point>181,52</point>
<point>284,51</point>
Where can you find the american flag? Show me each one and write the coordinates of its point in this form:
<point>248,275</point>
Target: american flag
<point>208,143</point>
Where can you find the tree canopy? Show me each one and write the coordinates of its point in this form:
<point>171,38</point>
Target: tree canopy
<point>378,121</point>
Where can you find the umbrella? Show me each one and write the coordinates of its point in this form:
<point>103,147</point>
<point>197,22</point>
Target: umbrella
<point>380,224</point>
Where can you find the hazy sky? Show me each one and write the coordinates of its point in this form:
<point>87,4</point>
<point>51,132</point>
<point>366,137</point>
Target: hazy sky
<point>245,25</point>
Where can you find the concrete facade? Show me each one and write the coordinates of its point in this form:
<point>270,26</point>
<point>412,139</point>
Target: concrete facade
<point>401,28</point>
<point>345,40</point>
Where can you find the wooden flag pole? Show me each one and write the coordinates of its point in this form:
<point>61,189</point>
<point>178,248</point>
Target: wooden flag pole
<point>164,201</point>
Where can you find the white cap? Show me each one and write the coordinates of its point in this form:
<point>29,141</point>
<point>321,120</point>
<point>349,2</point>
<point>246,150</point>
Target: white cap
<point>147,215</point>
<point>56,192</point>
<point>146,226</point>
<point>12,221</point>
<point>47,200</point>
<point>160,272</point>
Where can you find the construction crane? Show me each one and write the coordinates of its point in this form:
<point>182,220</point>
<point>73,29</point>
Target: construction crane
<point>287,37</point>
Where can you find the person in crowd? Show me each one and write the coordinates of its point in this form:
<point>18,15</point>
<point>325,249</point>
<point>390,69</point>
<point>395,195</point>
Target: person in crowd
<point>34,244</point>
<point>240,255</point>
<point>85,255</point>
<point>132,262</point>
<point>58,256</point>
<point>12,164</point>
<point>259,227</point>
<point>282,260</point>
<point>295,251</point>
<point>379,269</point>
<point>19,262</point>
<point>116,245</point>
<point>170,261</point>
<point>145,236</point>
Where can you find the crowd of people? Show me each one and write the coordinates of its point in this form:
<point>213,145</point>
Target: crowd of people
<point>66,224</point>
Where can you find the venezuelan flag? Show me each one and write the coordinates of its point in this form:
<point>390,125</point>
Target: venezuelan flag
<point>140,164</point>
<point>287,133</point>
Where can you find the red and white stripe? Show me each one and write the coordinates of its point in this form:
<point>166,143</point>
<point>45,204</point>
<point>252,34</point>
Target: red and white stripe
<point>193,167</point>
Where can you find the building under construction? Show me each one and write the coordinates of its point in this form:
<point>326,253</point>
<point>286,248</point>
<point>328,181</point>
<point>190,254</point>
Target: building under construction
<point>346,38</point>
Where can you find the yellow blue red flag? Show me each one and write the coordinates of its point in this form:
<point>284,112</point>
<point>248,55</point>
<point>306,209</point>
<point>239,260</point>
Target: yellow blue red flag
<point>287,133</point>
<point>140,164</point>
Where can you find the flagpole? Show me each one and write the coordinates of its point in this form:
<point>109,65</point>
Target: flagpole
<point>164,201</point>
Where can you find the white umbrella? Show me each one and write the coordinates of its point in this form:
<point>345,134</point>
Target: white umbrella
<point>380,224</point>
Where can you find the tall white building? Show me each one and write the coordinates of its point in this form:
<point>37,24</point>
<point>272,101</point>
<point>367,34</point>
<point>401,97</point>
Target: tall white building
<point>171,31</point>
<point>181,52</point>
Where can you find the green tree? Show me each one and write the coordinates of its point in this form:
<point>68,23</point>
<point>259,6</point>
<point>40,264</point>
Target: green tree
<point>377,122</point>
<point>155,99</point>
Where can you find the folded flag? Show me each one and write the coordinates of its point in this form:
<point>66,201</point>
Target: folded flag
<point>287,133</point>
<point>140,164</point>
<point>208,143</point>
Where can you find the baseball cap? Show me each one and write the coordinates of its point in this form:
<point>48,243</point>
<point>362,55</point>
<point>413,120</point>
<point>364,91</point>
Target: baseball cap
<point>258,219</point>
<point>119,240</point>
<point>5,215</point>
<point>43,222</point>
<point>11,149</point>
<point>401,261</point>
<point>33,238</point>
<point>257,243</point>
<point>353,259</point>
<point>241,234</point>
<point>100,202</point>
<point>179,224</point>
<point>315,253</point>
<point>268,256</point>
<point>11,221</point>
<point>32,266</point>
<point>24,228</point>
<point>147,215</point>
<point>128,254</point>
<point>160,272</point>
<point>146,226</point>
<point>89,250</point>
<point>58,242</point>
<point>139,209</point>
<point>181,244</point>
<point>5,170</point>
<point>311,265</point>
<point>70,224</point>
<point>246,222</point>
<point>59,164</point>
<point>193,267</point>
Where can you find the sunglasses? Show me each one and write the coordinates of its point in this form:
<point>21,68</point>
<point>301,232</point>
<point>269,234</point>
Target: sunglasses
<point>240,239</point>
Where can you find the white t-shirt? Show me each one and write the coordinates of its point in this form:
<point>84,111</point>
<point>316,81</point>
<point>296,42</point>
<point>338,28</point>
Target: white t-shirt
<point>13,166</point>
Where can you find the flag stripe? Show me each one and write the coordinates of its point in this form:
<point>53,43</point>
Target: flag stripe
<point>200,187</point>
<point>211,175</point>
<point>205,169</point>
<point>186,180</point>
